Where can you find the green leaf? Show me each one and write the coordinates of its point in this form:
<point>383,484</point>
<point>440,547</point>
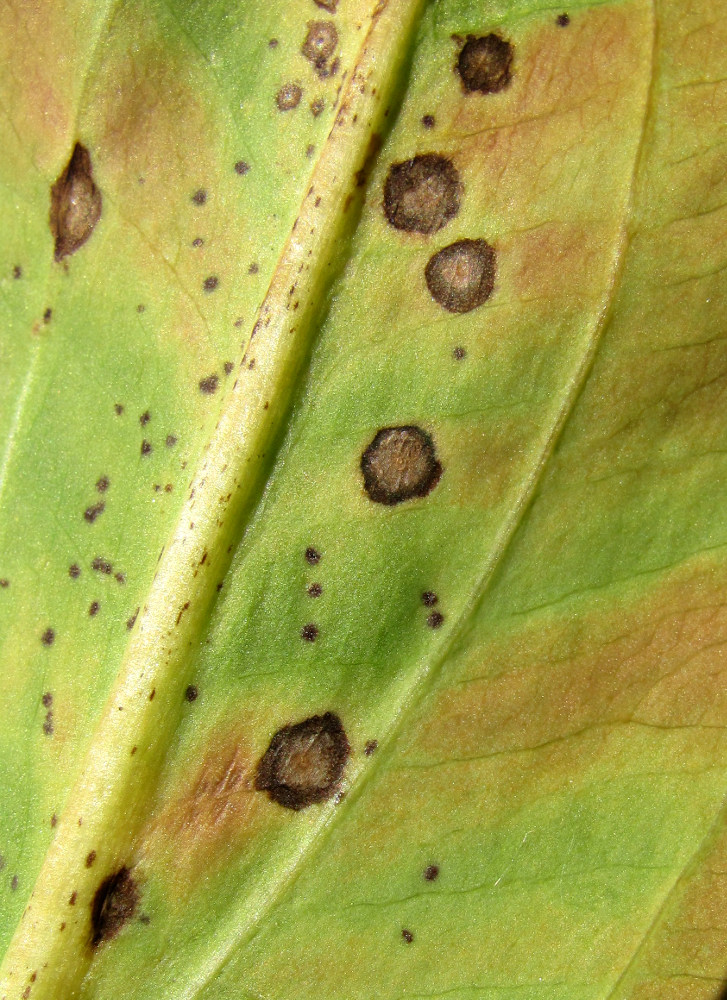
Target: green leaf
<point>362,542</point>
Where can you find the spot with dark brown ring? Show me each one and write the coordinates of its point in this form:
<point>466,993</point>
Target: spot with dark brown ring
<point>461,276</point>
<point>288,97</point>
<point>74,571</point>
<point>75,204</point>
<point>113,905</point>
<point>320,44</point>
<point>428,121</point>
<point>242,167</point>
<point>400,464</point>
<point>94,608</point>
<point>485,64</point>
<point>459,353</point>
<point>435,619</point>
<point>304,763</point>
<point>562,20</point>
<point>421,195</point>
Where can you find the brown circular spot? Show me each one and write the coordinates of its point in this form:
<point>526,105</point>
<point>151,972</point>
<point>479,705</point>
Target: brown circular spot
<point>48,637</point>
<point>428,121</point>
<point>485,64</point>
<point>421,195</point>
<point>407,935</point>
<point>459,353</point>
<point>94,608</point>
<point>199,197</point>
<point>209,384</point>
<point>242,167</point>
<point>562,20</point>
<point>209,284</point>
<point>90,859</point>
<point>429,598</point>
<point>191,694</point>
<point>312,556</point>
<point>314,590</point>
<point>461,277</point>
<point>146,448</point>
<point>431,873</point>
<point>74,571</point>
<point>304,763</point>
<point>400,464</point>
<point>288,97</point>
<point>309,632</point>
<point>435,619</point>
<point>320,43</point>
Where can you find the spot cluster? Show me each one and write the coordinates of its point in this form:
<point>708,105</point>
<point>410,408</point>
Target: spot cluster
<point>318,48</point>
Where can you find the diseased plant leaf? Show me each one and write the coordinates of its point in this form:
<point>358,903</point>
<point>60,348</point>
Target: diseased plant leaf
<point>361,501</point>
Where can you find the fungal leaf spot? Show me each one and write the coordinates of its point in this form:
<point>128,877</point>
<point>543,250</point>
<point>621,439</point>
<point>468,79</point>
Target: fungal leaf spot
<point>304,763</point>
<point>485,64</point>
<point>320,44</point>
<point>288,97</point>
<point>461,276</point>
<point>421,195</point>
<point>75,204</point>
<point>113,905</point>
<point>400,464</point>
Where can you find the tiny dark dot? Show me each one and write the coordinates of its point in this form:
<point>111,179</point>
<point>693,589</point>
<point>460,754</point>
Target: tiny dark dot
<point>118,409</point>
<point>309,632</point>
<point>152,693</point>
<point>74,571</point>
<point>119,577</point>
<point>197,242</point>
<point>208,385</point>
<point>94,511</point>
<point>4,583</point>
<point>220,585</point>
<point>47,699</point>
<point>242,168</point>
<point>315,590</point>
<point>253,268</point>
<point>17,271</point>
<point>144,919</point>
<point>228,366</point>
<point>91,857</point>
<point>273,43</point>
<point>145,418</point>
<point>53,820</point>
<point>317,106</point>
<point>191,693</point>
<point>140,308</point>
<point>211,283</point>
<point>312,556</point>
<point>428,121</point>
<point>431,873</point>
<point>102,484</point>
<point>48,637</point>
<point>458,353</point>
<point>429,598</point>
<point>171,441</point>
<point>407,935</point>
<point>310,150</point>
<point>94,608</point>
<point>14,883</point>
<point>146,448</point>
<point>562,20</point>
<point>48,315</point>
<point>371,747</point>
<point>435,619</point>
<point>199,197</point>
<point>288,97</point>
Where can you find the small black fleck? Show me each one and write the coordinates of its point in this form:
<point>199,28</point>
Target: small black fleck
<point>75,204</point>
<point>47,699</point>
<point>485,64</point>
<point>74,571</point>
<point>48,315</point>
<point>459,353</point>
<point>102,565</point>
<point>197,241</point>
<point>209,384</point>
<point>90,858</point>
<point>118,409</point>
<point>288,97</point>
<point>114,903</point>
<point>95,510</point>
<point>429,598</point>
<point>242,168</point>
<point>312,556</point>
<point>4,583</point>
<point>145,418</point>
<point>314,590</point>
<point>400,464</point>
<point>304,763</point>
<point>94,608</point>
<point>146,448</point>
<point>17,271</point>
<point>48,637</point>
<point>407,935</point>
<point>428,121</point>
<point>431,873</point>
<point>102,484</point>
<point>170,441</point>
<point>461,276</point>
<point>191,693</point>
<point>309,632</point>
<point>562,20</point>
<point>435,619</point>
<point>371,747</point>
<point>421,195</point>
<point>130,622</point>
<point>120,578</point>
<point>199,197</point>
<point>209,284</point>
<point>273,43</point>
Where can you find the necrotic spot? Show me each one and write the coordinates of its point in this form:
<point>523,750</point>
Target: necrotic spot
<point>320,44</point>
<point>429,598</point>
<point>431,873</point>
<point>74,571</point>
<point>309,632</point>
<point>48,637</point>
<point>314,590</point>
<point>461,277</point>
<point>288,97</point>
<point>209,284</point>
<point>114,903</point>
<point>305,762</point>
<point>102,484</point>
<point>75,204</point>
<point>91,513</point>
<point>312,556</point>
<point>421,195</point>
<point>191,693</point>
<point>562,20</point>
<point>209,384</point>
<point>407,935</point>
<point>146,448</point>
<point>435,619</point>
<point>485,64</point>
<point>242,167</point>
<point>199,197</point>
<point>400,464</point>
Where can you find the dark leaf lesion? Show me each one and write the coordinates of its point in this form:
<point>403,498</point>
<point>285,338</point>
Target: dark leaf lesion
<point>76,204</point>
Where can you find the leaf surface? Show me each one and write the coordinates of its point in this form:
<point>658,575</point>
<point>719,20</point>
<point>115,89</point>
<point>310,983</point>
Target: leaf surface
<point>543,732</point>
